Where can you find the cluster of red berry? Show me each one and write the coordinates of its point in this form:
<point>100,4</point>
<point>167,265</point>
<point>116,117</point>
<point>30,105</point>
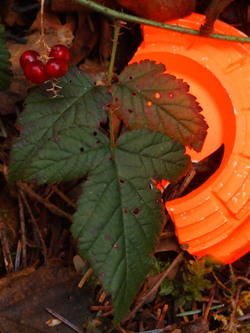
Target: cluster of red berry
<point>36,72</point>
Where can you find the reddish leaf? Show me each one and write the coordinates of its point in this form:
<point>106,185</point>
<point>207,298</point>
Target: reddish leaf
<point>165,107</point>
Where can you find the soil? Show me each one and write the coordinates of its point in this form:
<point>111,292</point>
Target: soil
<point>40,270</point>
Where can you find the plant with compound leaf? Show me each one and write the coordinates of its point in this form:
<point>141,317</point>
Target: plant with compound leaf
<point>120,138</point>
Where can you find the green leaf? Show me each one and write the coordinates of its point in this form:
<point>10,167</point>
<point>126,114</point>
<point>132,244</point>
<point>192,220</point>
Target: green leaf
<point>68,155</point>
<point>119,213</point>
<point>55,129</point>
<point>149,99</point>
<point>4,62</point>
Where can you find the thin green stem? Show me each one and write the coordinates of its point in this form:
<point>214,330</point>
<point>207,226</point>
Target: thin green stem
<point>117,27</point>
<point>112,116</point>
<point>135,19</point>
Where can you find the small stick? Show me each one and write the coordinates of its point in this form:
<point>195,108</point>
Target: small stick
<point>85,277</point>
<point>23,236</point>
<point>243,279</point>
<point>18,255</point>
<point>155,307</point>
<point>234,305</point>
<point>189,177</point>
<point>102,297</point>
<point>63,320</point>
<point>101,307</point>
<point>63,196</point>
<point>212,292</point>
<point>194,308</point>
<point>236,300</point>
<point>176,261</point>
<point>121,330</point>
<point>5,247</point>
<point>43,42</point>
<point>243,318</point>
<point>162,316</point>
<point>106,314</point>
<point>43,245</point>
<point>221,284</point>
<point>214,9</point>
<point>54,209</point>
<point>185,318</point>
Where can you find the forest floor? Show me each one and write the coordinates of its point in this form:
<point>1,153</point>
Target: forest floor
<point>41,285</point>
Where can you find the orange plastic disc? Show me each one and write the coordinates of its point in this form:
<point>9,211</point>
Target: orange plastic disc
<point>214,219</point>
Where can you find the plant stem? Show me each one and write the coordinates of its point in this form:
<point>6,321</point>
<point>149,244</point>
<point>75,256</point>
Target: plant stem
<point>135,19</point>
<point>212,13</point>
<point>112,117</point>
<point>42,26</point>
<point>117,27</point>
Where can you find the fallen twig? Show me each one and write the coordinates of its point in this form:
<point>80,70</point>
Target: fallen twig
<point>54,209</point>
<point>42,242</point>
<point>176,261</point>
<point>23,234</point>
<point>63,320</point>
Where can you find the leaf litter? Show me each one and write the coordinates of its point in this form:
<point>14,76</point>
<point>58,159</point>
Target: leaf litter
<point>156,312</point>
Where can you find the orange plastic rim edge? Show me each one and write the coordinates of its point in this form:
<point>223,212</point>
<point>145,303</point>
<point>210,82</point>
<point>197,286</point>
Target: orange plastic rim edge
<point>213,220</point>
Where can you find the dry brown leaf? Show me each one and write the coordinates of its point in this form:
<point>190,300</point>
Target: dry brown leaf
<point>159,10</point>
<point>55,31</point>
<point>196,326</point>
<point>168,244</point>
<point>86,37</point>
<point>24,300</point>
<point>11,17</point>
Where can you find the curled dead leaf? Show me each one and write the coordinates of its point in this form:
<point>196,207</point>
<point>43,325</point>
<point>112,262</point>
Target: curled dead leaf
<point>159,10</point>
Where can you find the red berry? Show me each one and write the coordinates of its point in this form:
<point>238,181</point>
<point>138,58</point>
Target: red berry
<point>60,51</point>
<point>56,68</point>
<point>27,57</point>
<point>35,72</point>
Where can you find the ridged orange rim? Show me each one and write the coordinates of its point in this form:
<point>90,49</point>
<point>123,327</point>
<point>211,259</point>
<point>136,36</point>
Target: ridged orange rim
<point>214,219</point>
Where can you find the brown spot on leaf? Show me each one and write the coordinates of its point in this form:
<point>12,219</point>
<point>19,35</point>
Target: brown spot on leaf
<point>102,276</point>
<point>56,139</point>
<point>136,211</point>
